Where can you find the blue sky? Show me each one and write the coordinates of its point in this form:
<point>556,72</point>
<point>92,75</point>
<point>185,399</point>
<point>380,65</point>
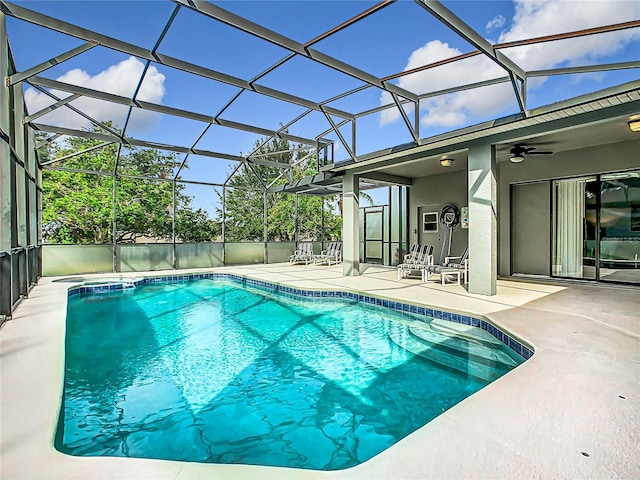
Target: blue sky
<point>396,38</point>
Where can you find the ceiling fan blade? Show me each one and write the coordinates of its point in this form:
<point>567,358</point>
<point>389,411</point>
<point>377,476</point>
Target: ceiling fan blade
<point>521,150</point>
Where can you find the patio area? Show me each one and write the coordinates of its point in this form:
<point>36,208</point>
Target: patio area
<point>571,411</point>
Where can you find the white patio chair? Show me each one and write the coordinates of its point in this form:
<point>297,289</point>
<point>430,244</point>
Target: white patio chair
<point>422,258</point>
<point>452,265</point>
<point>304,253</point>
<point>333,254</point>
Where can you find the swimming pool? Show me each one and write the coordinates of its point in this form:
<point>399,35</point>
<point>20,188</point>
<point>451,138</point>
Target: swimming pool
<point>214,371</point>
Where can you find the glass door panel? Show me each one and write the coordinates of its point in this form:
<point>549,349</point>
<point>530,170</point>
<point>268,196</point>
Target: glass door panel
<point>590,230</point>
<point>373,221</point>
<point>574,233</point>
<point>620,227</point>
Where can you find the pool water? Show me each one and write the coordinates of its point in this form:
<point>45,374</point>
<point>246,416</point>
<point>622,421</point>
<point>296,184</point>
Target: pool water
<point>209,371</point>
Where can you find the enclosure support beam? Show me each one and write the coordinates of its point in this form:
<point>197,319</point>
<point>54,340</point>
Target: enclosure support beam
<point>21,76</point>
<point>296,236</point>
<point>483,230</point>
<point>265,232</point>
<point>173,224</point>
<point>128,48</point>
<point>5,149</point>
<point>407,122</point>
<point>336,129</point>
<point>322,236</point>
<point>516,73</point>
<point>42,83</point>
<point>224,224</point>
<point>114,236</point>
<point>75,154</point>
<point>350,225</point>
<point>259,31</point>
<point>437,93</point>
<point>584,69</point>
<point>50,108</point>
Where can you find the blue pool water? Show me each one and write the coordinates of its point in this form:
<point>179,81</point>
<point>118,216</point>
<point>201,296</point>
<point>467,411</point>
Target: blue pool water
<point>208,371</point>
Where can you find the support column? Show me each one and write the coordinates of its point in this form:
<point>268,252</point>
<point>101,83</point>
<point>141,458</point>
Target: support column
<point>483,230</point>
<point>7,179</point>
<point>350,225</point>
<point>5,151</point>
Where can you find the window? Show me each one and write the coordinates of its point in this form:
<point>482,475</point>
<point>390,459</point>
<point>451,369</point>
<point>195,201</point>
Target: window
<point>430,222</point>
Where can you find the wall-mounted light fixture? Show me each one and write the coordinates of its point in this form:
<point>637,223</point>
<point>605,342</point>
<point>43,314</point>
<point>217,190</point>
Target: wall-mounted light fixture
<point>446,162</point>
<point>634,125</point>
<point>517,158</point>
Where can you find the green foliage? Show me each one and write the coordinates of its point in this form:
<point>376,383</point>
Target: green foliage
<point>245,206</point>
<point>194,226</point>
<point>78,207</point>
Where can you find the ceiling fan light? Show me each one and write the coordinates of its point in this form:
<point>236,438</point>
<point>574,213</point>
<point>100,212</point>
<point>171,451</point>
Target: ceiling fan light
<point>446,162</point>
<point>517,158</point>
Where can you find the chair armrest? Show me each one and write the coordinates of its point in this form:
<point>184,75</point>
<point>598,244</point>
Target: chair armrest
<point>448,259</point>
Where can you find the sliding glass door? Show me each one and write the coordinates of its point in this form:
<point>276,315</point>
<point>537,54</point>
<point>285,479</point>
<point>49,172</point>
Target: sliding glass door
<point>596,228</point>
<point>620,227</point>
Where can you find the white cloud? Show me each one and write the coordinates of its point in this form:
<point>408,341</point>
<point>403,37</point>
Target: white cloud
<point>496,22</point>
<point>546,17</point>
<point>531,19</point>
<point>120,79</point>
<point>453,109</point>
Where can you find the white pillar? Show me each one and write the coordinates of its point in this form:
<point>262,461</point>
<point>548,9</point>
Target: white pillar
<point>483,236</point>
<point>350,225</point>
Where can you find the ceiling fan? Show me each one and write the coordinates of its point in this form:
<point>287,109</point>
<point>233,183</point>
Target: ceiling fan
<point>518,153</point>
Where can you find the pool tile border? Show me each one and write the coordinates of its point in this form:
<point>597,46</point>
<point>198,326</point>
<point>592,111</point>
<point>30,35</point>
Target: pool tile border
<point>421,312</point>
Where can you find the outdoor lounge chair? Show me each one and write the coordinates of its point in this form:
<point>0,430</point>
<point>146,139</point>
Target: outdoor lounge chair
<point>304,253</point>
<point>421,258</point>
<point>411,256</point>
<point>333,254</point>
<point>458,266</point>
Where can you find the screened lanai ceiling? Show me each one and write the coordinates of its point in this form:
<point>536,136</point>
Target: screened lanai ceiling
<point>341,80</point>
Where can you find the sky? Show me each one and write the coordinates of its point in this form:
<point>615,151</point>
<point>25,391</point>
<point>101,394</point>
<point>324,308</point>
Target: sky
<point>397,38</point>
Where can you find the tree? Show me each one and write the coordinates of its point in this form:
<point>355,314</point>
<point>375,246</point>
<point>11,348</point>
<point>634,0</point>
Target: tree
<point>78,207</point>
<point>245,199</point>
<point>195,226</point>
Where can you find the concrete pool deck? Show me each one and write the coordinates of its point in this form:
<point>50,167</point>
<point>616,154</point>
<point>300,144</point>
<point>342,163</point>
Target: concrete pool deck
<point>571,411</point>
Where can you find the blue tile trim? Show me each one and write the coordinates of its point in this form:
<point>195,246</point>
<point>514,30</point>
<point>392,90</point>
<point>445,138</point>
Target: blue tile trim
<point>415,311</point>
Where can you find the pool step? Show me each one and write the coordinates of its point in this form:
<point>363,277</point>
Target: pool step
<point>464,331</point>
<point>444,357</point>
<point>464,345</point>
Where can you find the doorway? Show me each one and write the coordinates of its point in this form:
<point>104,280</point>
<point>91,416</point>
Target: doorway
<point>373,234</point>
<point>596,228</point>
